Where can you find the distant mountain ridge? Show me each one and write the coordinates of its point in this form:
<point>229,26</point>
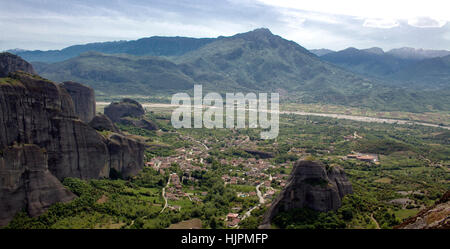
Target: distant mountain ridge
<point>410,69</point>
<point>155,46</point>
<point>366,62</point>
<point>255,61</point>
<point>417,53</point>
<point>322,51</point>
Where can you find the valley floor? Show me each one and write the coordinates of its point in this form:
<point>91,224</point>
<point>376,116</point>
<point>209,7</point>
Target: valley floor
<point>210,179</point>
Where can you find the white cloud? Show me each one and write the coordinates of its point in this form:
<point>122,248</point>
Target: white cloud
<point>426,22</point>
<point>385,9</point>
<point>53,24</point>
<point>379,14</point>
<point>380,23</point>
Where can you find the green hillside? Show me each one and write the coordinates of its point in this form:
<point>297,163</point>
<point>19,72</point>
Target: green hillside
<point>155,46</point>
<point>429,73</point>
<point>119,74</point>
<point>256,61</point>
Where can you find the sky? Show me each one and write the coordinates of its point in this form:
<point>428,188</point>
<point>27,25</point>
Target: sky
<point>332,24</point>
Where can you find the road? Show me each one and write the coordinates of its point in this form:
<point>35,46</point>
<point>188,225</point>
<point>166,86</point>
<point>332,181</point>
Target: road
<point>164,195</point>
<point>261,202</point>
<point>258,192</point>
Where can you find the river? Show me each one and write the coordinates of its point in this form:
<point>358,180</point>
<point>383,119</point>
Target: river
<point>330,115</point>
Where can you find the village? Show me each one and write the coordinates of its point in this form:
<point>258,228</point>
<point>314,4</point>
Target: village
<point>250,174</point>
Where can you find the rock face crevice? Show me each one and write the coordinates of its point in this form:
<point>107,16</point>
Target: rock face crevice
<point>83,98</point>
<point>311,185</point>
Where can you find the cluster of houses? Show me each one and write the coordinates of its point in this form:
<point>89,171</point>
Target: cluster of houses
<point>247,171</point>
<point>233,219</point>
<point>352,137</point>
<point>175,190</point>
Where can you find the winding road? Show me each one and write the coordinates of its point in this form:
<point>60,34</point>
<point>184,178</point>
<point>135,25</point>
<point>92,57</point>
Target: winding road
<point>164,195</point>
<point>258,192</point>
<point>261,202</point>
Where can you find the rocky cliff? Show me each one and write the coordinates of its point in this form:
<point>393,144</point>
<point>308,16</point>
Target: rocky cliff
<point>311,185</point>
<point>26,183</point>
<point>11,63</point>
<point>42,141</point>
<point>434,217</point>
<point>83,98</point>
<point>36,111</point>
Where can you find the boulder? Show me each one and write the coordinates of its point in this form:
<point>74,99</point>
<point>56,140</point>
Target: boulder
<point>11,63</point>
<point>125,108</point>
<point>311,185</point>
<point>102,123</point>
<point>83,98</point>
<point>26,183</point>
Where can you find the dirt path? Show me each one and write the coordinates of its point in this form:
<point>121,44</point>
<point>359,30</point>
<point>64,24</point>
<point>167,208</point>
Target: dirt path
<point>164,195</point>
<point>376,222</point>
<point>258,192</point>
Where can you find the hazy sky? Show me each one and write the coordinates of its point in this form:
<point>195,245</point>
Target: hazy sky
<point>55,24</point>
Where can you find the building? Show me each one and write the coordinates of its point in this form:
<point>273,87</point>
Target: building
<point>232,216</point>
<point>234,222</point>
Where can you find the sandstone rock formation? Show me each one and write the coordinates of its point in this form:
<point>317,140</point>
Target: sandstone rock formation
<point>42,141</point>
<point>311,185</point>
<point>11,63</point>
<point>129,112</point>
<point>102,123</point>
<point>125,155</point>
<point>83,98</point>
<point>125,108</point>
<point>26,183</point>
<point>434,217</point>
<point>36,111</point>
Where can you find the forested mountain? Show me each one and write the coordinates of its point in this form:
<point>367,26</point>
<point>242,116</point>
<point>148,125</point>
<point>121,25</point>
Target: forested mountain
<point>251,62</point>
<point>156,45</point>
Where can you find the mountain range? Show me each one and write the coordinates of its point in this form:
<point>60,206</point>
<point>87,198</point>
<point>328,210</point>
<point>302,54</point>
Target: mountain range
<point>418,68</point>
<point>254,61</point>
<point>401,53</point>
<point>156,45</point>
